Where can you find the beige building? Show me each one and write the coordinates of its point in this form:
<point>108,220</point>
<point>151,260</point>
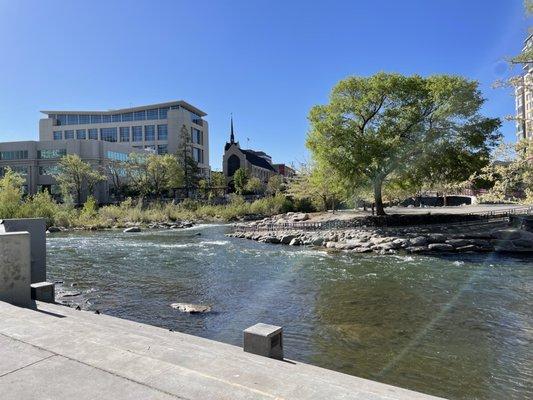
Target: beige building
<point>37,161</point>
<point>524,99</point>
<point>257,163</point>
<point>158,128</point>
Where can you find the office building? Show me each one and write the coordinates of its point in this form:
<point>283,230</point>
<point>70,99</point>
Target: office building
<point>159,128</point>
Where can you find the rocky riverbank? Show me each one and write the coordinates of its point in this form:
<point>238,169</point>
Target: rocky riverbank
<point>484,237</point>
<point>128,226</point>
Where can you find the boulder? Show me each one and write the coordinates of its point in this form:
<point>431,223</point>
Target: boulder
<point>287,239</point>
<point>295,242</point>
<point>458,242</point>
<point>513,240</point>
<point>53,229</point>
<point>418,241</point>
<point>330,245</point>
<point>317,242</point>
<point>133,229</point>
<point>416,249</point>
<point>191,308</point>
<point>272,239</point>
<point>440,247</point>
<point>300,217</point>
<point>436,238</point>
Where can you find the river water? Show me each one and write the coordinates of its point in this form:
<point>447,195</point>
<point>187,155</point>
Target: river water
<point>457,327</point>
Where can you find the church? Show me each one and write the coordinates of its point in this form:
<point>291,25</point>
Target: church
<point>257,163</point>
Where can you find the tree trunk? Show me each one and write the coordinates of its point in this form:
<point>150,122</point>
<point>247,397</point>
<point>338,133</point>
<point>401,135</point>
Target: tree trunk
<point>377,198</point>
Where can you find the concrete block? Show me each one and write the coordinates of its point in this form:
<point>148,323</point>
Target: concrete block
<point>264,340</point>
<point>43,291</point>
<point>37,229</point>
<point>15,268</point>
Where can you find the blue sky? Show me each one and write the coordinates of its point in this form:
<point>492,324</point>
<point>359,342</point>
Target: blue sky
<point>268,62</point>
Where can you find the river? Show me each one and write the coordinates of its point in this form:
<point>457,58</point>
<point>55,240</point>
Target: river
<point>457,326</point>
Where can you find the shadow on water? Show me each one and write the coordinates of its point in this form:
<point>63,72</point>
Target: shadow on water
<point>457,326</point>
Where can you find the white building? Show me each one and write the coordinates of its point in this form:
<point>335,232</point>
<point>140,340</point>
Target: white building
<point>156,127</point>
<point>524,99</point>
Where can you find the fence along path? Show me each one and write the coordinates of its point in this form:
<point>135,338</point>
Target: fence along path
<point>483,217</point>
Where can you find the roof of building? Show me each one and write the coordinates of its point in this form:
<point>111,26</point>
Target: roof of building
<point>180,103</point>
<point>254,159</point>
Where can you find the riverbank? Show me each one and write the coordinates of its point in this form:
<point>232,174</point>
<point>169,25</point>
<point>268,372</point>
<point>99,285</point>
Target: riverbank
<point>358,237</point>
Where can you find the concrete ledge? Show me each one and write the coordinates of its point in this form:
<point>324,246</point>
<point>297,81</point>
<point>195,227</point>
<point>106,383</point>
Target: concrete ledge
<point>82,355</point>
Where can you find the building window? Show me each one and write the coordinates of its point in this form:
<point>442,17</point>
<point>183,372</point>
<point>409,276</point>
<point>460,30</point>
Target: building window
<point>139,115</point>
<point>96,119</point>
<point>116,118</point>
<point>195,118</point>
<point>152,114</point>
<point>93,134</point>
<point>117,156</point>
<point>108,134</point>
<point>81,134</point>
<point>126,117</point>
<point>61,119</point>
<point>149,132</point>
<point>124,133</point>
<point>14,155</point>
<point>162,149</point>
<point>58,135</point>
<point>162,132</point>
<point>150,148</point>
<point>106,118</point>
<point>72,119</point>
<point>69,134</point>
<point>163,113</point>
<point>197,155</point>
<point>84,119</point>
<point>48,154</point>
<point>49,170</point>
<point>137,132</point>
<point>196,136</point>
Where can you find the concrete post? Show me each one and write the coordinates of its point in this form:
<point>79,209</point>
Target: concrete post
<point>15,268</point>
<point>43,291</point>
<point>37,229</point>
<point>264,340</point>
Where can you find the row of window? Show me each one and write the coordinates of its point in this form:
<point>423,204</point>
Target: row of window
<point>51,153</point>
<point>142,115</point>
<point>14,155</point>
<point>117,156</point>
<point>123,134</point>
<point>160,148</point>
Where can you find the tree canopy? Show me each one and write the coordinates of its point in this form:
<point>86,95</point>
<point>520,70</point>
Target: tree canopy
<point>387,127</point>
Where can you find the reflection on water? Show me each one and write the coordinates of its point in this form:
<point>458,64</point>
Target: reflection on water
<point>454,327</point>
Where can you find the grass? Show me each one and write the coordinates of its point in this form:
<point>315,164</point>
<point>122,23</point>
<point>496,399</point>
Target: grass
<point>90,216</point>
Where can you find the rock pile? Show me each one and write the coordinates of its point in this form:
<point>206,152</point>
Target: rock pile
<point>393,240</point>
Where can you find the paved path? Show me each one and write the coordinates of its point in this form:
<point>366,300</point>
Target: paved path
<point>58,353</point>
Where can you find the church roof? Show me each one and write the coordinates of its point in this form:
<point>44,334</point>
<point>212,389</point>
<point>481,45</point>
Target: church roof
<point>254,159</point>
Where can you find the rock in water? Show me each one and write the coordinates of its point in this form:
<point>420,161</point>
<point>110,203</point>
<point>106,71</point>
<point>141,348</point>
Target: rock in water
<point>191,308</point>
<point>132,229</point>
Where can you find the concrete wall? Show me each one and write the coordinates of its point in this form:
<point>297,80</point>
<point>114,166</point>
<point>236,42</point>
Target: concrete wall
<point>15,268</point>
<point>37,230</point>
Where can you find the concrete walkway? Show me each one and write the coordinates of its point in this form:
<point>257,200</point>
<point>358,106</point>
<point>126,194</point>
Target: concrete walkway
<point>55,352</point>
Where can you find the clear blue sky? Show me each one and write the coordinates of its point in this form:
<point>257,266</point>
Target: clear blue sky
<point>267,62</point>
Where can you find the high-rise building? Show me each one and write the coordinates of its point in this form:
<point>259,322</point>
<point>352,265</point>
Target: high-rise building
<point>160,128</point>
<point>524,98</point>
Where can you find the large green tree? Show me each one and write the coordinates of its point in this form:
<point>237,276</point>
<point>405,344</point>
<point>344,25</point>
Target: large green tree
<point>388,126</point>
<point>191,172</point>
<point>74,175</point>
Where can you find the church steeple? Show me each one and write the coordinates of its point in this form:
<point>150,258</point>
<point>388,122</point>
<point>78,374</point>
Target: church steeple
<point>232,136</point>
